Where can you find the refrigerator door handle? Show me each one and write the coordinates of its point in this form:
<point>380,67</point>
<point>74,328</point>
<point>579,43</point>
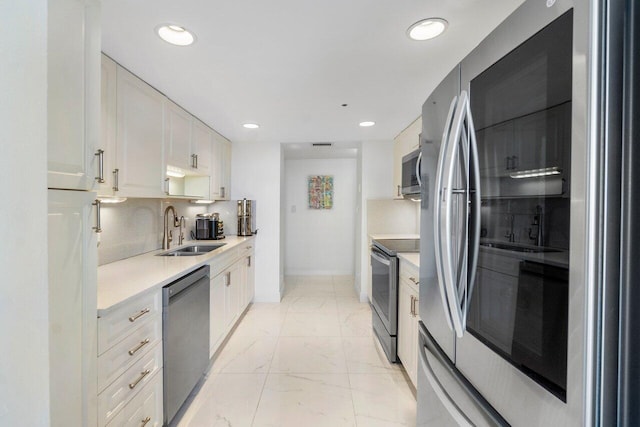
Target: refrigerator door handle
<point>437,211</point>
<point>475,205</point>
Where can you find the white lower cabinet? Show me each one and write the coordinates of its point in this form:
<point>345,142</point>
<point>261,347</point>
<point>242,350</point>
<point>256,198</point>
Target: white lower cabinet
<point>130,363</point>
<point>73,261</point>
<point>232,289</point>
<point>408,319</point>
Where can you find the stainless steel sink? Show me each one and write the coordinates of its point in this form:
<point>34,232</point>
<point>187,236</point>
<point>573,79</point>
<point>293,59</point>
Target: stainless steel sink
<point>516,248</point>
<point>193,250</point>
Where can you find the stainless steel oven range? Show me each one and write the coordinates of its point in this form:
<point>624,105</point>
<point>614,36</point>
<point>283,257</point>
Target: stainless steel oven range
<point>384,290</point>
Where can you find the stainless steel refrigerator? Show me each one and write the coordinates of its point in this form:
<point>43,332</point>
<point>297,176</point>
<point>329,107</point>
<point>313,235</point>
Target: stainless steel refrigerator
<point>520,253</point>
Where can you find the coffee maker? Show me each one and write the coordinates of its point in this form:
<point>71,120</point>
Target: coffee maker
<point>246,217</point>
<point>204,223</point>
<point>217,227</point>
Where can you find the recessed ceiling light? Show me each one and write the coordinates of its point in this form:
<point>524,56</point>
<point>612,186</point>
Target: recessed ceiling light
<point>175,34</point>
<point>251,125</point>
<point>367,124</point>
<point>426,29</point>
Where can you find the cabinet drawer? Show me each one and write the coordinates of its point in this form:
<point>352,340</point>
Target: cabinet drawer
<point>499,263</point>
<point>145,409</point>
<point>121,356</point>
<point>115,396</point>
<point>118,324</point>
<point>221,262</point>
<point>410,275</point>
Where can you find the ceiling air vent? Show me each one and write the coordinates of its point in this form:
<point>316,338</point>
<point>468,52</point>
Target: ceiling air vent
<point>322,144</point>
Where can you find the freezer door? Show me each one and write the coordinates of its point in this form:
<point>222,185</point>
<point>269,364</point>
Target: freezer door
<point>437,114</point>
<point>445,397</point>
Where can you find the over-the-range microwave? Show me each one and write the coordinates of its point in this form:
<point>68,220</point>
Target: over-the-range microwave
<point>411,174</point>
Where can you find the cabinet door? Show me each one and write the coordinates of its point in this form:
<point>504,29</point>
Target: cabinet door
<point>540,138</point>
<point>177,139</point>
<point>495,150</point>
<point>404,324</point>
<point>72,308</point>
<point>108,106</point>
<point>225,175</point>
<point>233,285</point>
<point>73,91</point>
<point>220,168</point>
<point>217,303</point>
<point>139,138</point>
<point>201,140</point>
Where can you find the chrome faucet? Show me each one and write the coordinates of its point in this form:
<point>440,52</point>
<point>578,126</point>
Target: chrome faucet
<point>168,235</point>
<point>183,225</point>
<point>510,234</point>
<point>538,221</point>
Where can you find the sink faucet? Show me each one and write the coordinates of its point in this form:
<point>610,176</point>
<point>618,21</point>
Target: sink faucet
<point>168,236</point>
<point>538,221</point>
<point>183,225</point>
<point>510,234</point>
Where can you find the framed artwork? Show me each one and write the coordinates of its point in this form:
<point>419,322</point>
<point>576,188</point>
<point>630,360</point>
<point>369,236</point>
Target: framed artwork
<point>320,192</point>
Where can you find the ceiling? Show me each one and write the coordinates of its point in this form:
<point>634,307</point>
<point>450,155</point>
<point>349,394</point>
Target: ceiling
<point>289,65</point>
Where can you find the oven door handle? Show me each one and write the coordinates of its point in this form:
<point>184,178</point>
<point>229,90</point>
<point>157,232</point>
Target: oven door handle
<point>437,206</point>
<point>376,254</point>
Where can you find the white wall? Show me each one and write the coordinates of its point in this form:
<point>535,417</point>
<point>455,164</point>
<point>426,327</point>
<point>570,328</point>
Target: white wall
<point>377,183</point>
<point>24,359</point>
<point>255,174</point>
<point>320,241</point>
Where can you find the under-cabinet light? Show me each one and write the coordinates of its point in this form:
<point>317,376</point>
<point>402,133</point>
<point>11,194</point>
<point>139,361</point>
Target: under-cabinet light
<point>201,202</point>
<point>111,200</point>
<point>175,172</point>
<point>536,173</point>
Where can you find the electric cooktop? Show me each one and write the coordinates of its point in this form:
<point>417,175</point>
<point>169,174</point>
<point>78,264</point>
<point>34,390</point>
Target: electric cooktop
<point>392,246</point>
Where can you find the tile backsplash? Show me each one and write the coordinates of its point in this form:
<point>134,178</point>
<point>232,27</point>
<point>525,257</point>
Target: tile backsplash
<point>135,226</point>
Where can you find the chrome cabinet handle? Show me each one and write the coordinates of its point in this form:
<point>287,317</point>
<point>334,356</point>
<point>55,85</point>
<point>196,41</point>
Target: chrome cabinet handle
<point>194,161</point>
<point>413,279</point>
<point>138,347</point>
<point>228,275</point>
<point>166,186</point>
<point>249,261</point>
<point>98,227</point>
<point>398,194</point>
<point>100,177</point>
<point>222,192</point>
<point>138,315</point>
<point>145,421</point>
<point>116,173</point>
<point>140,378</point>
<point>411,305</point>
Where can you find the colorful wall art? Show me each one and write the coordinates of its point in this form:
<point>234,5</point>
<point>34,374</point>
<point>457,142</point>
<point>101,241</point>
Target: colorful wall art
<point>321,192</point>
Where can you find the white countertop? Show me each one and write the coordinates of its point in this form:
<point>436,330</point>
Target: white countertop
<point>127,278</point>
<point>411,257</point>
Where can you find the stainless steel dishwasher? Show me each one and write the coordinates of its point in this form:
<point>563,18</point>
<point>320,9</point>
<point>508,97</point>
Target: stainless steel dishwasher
<point>185,334</point>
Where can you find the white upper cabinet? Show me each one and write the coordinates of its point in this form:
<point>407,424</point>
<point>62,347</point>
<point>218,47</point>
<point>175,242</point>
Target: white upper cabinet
<point>220,168</point>
<point>202,147</point>
<point>107,143</point>
<point>73,88</point>
<point>139,153</point>
<point>177,140</point>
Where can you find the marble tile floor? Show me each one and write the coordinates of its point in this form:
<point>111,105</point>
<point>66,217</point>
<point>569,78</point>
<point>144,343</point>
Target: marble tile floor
<point>308,361</point>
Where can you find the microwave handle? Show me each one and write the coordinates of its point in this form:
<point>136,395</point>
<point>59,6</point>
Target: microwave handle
<point>418,169</point>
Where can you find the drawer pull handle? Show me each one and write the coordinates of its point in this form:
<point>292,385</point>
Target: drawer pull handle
<point>137,316</point>
<point>138,347</point>
<point>413,279</point>
<point>140,378</point>
<point>145,421</point>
